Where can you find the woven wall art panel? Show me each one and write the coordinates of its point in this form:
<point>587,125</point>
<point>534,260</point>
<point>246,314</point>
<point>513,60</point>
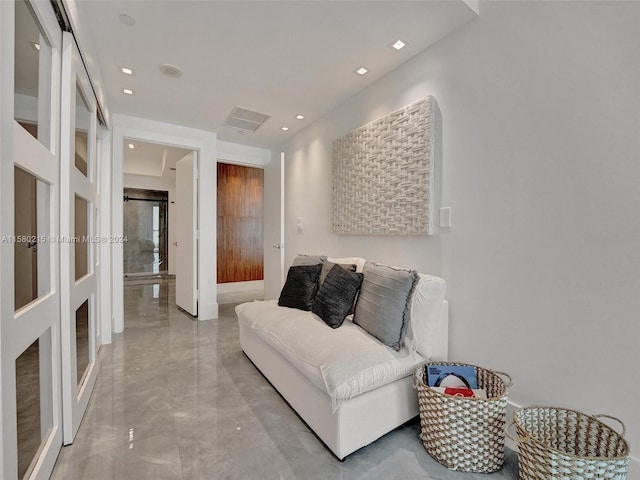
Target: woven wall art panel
<point>383,175</point>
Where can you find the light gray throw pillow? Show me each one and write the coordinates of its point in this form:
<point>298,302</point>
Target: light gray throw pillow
<point>384,303</point>
<point>327,266</point>
<point>302,259</point>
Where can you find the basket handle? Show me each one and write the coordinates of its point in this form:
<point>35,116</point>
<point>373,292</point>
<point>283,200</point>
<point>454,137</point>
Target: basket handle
<point>602,415</point>
<point>517,439</point>
<point>509,382</point>
<point>417,380</point>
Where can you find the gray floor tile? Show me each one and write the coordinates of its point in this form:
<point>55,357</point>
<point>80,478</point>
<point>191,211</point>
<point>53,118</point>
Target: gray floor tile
<point>177,399</point>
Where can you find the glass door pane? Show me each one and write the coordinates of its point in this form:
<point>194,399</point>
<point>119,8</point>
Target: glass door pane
<point>32,74</point>
<point>82,340</point>
<point>81,233</point>
<point>31,273</point>
<point>34,406</point>
<point>28,402</point>
<point>83,123</point>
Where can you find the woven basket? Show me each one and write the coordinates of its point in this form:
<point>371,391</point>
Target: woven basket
<point>560,443</point>
<point>461,433</point>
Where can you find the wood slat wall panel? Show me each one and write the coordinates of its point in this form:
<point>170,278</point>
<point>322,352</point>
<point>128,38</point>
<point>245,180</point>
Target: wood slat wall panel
<point>240,220</point>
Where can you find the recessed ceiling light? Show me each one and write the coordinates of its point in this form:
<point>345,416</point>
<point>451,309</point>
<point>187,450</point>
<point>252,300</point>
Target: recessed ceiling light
<point>361,71</point>
<point>170,70</point>
<point>127,71</point>
<point>35,45</point>
<point>398,44</point>
<point>126,91</point>
<point>284,129</point>
<point>300,117</point>
<point>128,20</point>
<point>132,146</point>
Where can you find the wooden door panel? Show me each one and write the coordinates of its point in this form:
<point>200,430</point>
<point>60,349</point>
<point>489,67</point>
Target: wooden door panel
<point>240,211</point>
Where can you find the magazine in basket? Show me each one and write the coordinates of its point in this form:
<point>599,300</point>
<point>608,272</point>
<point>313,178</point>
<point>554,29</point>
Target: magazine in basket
<point>454,376</point>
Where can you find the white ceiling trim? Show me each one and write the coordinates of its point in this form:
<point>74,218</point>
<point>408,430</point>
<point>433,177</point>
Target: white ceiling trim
<point>236,153</point>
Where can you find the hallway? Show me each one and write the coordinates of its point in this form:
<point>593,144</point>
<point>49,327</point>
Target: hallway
<point>177,399</point>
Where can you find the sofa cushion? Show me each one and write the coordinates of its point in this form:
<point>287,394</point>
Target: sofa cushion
<point>427,327</point>
<point>336,294</point>
<point>301,286</point>
<point>343,362</point>
<point>384,303</point>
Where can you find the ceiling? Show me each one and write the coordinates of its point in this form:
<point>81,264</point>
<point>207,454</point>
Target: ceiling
<point>151,159</point>
<point>281,58</point>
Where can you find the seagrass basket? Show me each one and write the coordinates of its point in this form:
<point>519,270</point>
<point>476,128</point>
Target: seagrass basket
<point>461,433</point>
<point>562,443</point>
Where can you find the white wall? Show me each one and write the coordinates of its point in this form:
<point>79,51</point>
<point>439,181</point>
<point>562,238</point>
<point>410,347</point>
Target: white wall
<point>540,114</point>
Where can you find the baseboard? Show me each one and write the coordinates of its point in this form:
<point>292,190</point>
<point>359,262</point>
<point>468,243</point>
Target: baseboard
<point>634,463</point>
<point>237,287</point>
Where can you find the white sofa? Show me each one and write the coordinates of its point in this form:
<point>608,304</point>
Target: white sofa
<point>355,413</point>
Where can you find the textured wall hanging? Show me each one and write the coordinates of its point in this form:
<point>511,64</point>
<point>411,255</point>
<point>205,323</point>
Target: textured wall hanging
<point>383,175</point>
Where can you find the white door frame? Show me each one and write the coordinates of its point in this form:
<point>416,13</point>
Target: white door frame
<point>281,244</point>
<point>274,231</point>
<point>76,291</point>
<point>205,143</point>
<point>20,329</point>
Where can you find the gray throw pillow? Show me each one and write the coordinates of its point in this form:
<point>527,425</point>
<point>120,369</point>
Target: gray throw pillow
<point>327,266</point>
<point>301,286</point>
<point>336,295</point>
<point>384,303</point>
<point>302,259</point>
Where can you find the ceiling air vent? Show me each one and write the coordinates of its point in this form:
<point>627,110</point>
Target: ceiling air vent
<point>248,120</point>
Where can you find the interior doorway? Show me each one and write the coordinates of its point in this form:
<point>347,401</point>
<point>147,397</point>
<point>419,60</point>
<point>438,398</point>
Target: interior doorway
<point>146,227</point>
<point>149,203</point>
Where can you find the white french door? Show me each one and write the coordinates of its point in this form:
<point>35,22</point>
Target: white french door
<point>29,256</point>
<point>79,301</point>
<point>186,250</point>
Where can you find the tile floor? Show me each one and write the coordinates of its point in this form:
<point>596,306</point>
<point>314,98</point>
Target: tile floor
<point>177,399</point>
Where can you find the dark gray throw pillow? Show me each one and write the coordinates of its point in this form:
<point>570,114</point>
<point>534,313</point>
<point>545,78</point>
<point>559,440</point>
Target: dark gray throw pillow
<point>384,303</point>
<point>301,286</point>
<point>336,295</point>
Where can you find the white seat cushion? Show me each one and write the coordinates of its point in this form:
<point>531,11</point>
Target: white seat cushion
<point>343,362</point>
